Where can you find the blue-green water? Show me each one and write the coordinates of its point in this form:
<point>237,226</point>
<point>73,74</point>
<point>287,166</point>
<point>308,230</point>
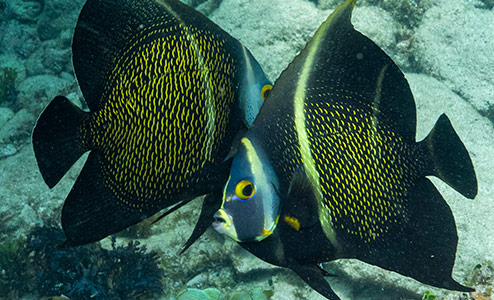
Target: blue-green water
<point>445,49</point>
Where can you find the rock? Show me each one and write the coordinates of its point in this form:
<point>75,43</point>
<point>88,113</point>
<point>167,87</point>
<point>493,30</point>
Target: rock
<point>276,41</point>
<point>474,218</point>
<point>57,17</point>
<point>379,25</point>
<point>208,7</point>
<point>25,10</point>
<point>28,214</point>
<point>5,115</point>
<point>11,43</point>
<point>194,3</point>
<point>13,62</point>
<point>47,31</point>
<point>489,4</point>
<point>17,125</point>
<point>409,13</point>
<point>34,63</point>
<point>76,98</point>
<point>26,200</point>
<point>198,280</point>
<point>35,92</point>
<point>274,36</point>
<point>7,150</point>
<point>327,4</point>
<point>65,38</point>
<point>455,42</point>
<point>49,59</point>
<point>244,262</point>
<point>67,76</point>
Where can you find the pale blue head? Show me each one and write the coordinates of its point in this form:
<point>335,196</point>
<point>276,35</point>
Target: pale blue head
<point>254,89</point>
<point>251,205</point>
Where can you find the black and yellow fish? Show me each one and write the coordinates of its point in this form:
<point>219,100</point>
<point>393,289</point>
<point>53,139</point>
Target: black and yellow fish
<point>331,169</point>
<point>167,90</point>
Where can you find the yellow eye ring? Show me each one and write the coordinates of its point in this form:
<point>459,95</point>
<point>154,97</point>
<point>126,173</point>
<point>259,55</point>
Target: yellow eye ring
<point>245,190</point>
<point>265,91</point>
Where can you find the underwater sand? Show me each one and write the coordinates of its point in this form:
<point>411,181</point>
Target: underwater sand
<point>444,47</point>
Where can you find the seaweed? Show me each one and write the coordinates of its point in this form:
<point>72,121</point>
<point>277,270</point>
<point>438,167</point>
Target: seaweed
<point>428,296</point>
<point>86,272</point>
<point>12,267</point>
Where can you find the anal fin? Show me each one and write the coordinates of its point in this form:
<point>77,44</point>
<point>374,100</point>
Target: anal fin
<point>91,211</point>
<point>426,248</point>
<point>301,201</point>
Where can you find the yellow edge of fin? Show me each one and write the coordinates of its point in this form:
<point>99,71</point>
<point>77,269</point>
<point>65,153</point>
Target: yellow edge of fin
<point>339,11</point>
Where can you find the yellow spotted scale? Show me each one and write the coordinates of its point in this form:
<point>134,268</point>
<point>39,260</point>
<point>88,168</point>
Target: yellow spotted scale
<point>167,92</point>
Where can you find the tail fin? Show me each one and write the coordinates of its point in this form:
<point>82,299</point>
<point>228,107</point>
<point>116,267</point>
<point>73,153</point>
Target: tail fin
<point>451,162</point>
<point>56,139</point>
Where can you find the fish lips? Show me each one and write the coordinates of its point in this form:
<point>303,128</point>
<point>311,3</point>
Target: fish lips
<point>223,224</point>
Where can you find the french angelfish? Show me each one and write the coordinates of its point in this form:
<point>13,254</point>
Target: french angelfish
<point>167,90</point>
<point>332,162</point>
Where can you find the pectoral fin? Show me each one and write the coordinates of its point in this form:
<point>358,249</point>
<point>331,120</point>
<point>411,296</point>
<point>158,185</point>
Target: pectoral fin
<point>301,201</point>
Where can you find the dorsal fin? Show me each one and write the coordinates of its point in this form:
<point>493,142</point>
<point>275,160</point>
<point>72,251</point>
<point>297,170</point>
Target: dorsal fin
<point>342,66</point>
<point>108,29</point>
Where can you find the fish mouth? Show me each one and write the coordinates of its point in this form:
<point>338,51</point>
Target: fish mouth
<point>219,223</point>
<point>218,218</point>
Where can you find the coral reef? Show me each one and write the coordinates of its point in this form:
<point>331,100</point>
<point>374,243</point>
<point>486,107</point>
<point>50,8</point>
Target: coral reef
<point>13,265</point>
<point>462,59</point>
<point>37,266</point>
<point>483,281</point>
<point>488,4</point>
<point>7,86</point>
<point>215,294</point>
<point>428,296</point>
<point>407,12</point>
<point>451,41</point>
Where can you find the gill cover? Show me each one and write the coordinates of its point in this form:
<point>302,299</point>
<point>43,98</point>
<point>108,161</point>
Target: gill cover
<point>255,88</point>
<point>250,207</point>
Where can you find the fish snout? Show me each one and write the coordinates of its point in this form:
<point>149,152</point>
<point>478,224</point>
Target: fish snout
<point>220,223</point>
<point>218,218</point>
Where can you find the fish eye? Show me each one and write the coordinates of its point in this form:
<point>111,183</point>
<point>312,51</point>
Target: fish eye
<point>245,190</point>
<point>265,91</point>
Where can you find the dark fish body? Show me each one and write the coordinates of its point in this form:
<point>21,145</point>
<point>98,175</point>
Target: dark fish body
<point>167,91</point>
<point>338,128</point>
